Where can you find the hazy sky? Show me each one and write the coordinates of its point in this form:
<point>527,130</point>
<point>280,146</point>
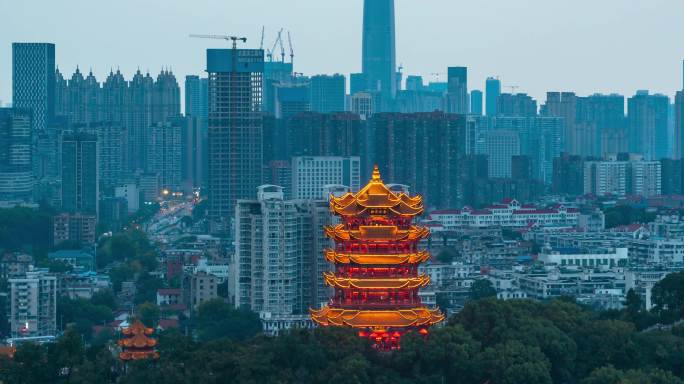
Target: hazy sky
<point>584,46</point>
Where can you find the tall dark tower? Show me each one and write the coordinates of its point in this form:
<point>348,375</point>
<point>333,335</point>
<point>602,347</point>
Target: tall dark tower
<point>379,52</point>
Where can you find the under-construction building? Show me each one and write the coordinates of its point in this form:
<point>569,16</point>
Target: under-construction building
<point>235,128</point>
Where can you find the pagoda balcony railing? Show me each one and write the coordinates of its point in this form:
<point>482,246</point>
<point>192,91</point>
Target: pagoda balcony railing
<point>352,271</point>
<point>375,283</point>
<point>376,258</point>
<point>396,304</point>
<point>375,247</point>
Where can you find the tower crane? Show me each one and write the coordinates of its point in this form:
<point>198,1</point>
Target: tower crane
<point>234,39</point>
<point>269,53</point>
<point>263,30</point>
<point>513,88</point>
<point>289,41</point>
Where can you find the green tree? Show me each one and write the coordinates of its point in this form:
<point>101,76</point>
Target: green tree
<point>481,289</point>
<point>668,297</point>
<point>148,313</point>
<point>216,319</point>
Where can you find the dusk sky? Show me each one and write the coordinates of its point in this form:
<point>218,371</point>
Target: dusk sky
<point>584,46</point>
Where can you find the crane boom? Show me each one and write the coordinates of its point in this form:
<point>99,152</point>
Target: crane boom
<point>234,39</point>
<point>289,41</point>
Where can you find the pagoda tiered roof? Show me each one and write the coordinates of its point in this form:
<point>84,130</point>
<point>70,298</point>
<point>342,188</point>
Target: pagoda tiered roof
<point>136,343</point>
<point>377,319</point>
<point>376,259</point>
<point>389,233</point>
<point>376,283</point>
<point>374,198</point>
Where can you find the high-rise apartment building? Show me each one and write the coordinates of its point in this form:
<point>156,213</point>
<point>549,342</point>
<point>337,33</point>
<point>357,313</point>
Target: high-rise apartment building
<point>421,150</point>
<point>111,141</point>
<point>623,175</point>
<point>33,81</point>
<point>16,170</point>
<point>492,92</point>
<point>318,134</point>
<point>33,304</point>
<point>678,145</point>
<point>164,153</point>
<point>194,159</point>
<point>648,116</point>
<point>540,138</point>
<point>457,90</point>
<point>500,147</point>
<point>235,128</point>
<point>310,175</point>
<point>568,175</point>
<point>328,93</point>
<point>518,105</point>
<point>279,249</point>
<point>476,102</point>
<point>80,179</point>
<point>196,96</point>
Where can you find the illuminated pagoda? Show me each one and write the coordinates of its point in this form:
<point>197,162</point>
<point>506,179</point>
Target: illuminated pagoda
<point>136,343</point>
<point>376,259</point>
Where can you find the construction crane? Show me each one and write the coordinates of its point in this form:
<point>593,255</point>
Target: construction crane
<point>234,39</point>
<point>263,30</point>
<point>289,41</point>
<point>282,50</point>
<point>513,88</point>
<point>269,53</point>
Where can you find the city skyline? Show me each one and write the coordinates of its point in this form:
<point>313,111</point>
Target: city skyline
<point>534,61</point>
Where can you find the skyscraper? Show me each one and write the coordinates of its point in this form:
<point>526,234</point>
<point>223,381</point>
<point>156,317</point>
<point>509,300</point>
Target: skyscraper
<point>379,51</point>
<point>328,93</point>
<point>164,153</point>
<point>16,171</point>
<point>678,147</point>
<point>492,92</point>
<point>518,105</point>
<point>79,173</point>
<point>235,128</point>
<point>647,115</point>
<point>33,81</point>
<point>476,102</point>
<point>196,95</point>
<point>457,90</point>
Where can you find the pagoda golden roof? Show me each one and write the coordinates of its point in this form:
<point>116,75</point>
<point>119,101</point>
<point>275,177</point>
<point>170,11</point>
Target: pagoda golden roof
<point>136,343</point>
<point>376,233</point>
<point>376,196</point>
<point>376,319</point>
<point>376,259</point>
<point>376,283</point>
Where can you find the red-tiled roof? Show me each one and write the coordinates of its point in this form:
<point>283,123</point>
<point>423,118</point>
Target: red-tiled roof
<point>168,291</point>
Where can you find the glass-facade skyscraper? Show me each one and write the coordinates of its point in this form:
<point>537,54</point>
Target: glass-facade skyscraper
<point>379,49</point>
<point>16,172</point>
<point>33,81</point>
<point>457,90</point>
<point>476,102</point>
<point>492,92</point>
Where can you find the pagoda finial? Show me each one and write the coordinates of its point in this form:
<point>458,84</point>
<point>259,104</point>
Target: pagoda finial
<point>376,175</point>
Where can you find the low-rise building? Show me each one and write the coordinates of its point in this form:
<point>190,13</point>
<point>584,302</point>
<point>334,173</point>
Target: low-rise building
<point>197,288</point>
<point>509,213</point>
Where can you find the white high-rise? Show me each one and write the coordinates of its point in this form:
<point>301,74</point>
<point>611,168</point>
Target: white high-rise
<point>279,252</point>
<point>310,175</point>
